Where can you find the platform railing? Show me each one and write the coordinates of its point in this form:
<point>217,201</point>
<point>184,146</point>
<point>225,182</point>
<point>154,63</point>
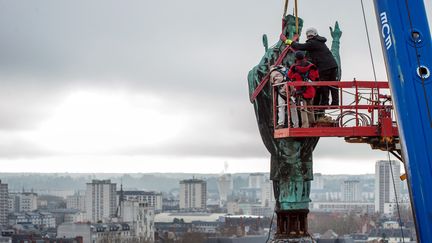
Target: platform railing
<point>364,109</point>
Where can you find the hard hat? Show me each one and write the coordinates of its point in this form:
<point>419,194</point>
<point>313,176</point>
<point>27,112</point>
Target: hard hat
<point>311,32</point>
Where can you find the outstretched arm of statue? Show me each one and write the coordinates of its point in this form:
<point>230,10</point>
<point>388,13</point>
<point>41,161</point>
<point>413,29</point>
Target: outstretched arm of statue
<point>336,34</point>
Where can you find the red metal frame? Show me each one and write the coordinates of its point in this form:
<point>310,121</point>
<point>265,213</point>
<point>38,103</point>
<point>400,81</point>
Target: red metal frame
<point>368,106</point>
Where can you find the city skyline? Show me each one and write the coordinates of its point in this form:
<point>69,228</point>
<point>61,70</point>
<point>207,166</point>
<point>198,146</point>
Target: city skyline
<point>155,87</point>
<point>151,214</point>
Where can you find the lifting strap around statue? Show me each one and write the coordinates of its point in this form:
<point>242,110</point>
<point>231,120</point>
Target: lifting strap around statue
<point>267,76</point>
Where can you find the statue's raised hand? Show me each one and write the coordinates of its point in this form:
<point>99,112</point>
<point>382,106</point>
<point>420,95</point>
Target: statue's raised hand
<point>336,33</point>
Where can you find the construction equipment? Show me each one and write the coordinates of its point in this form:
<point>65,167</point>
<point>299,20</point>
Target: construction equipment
<point>394,116</point>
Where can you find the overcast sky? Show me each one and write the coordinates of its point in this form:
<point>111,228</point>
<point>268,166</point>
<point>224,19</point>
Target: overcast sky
<point>155,86</point>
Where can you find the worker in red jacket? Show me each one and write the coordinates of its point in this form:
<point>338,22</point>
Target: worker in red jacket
<point>304,71</point>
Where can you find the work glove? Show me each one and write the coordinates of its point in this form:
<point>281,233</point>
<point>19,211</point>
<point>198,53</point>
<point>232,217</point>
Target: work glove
<point>285,40</point>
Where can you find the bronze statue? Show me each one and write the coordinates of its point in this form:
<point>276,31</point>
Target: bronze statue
<point>291,158</point>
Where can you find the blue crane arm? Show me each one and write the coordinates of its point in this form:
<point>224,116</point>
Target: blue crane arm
<point>406,44</point>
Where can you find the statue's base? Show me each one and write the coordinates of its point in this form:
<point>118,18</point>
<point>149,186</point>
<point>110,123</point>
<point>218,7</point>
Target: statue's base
<point>292,225</point>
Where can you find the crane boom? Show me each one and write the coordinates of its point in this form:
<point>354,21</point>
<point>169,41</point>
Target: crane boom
<point>407,47</point>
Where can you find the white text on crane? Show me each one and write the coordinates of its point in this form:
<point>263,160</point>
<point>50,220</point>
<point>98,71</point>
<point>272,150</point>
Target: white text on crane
<point>385,30</point>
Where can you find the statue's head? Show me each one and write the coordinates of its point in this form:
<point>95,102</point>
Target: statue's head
<point>290,26</point>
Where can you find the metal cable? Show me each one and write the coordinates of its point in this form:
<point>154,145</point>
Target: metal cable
<point>296,16</point>
<point>271,225</point>
<point>368,39</point>
<point>369,44</point>
<point>394,188</point>
<point>285,8</point>
<point>364,119</point>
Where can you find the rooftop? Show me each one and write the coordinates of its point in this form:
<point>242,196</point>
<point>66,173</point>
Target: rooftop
<point>192,181</point>
<point>188,217</point>
<point>139,193</point>
<point>100,182</point>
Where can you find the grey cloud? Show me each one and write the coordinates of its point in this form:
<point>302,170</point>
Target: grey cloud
<point>194,53</point>
<point>203,148</point>
<point>338,148</point>
<point>17,149</point>
<point>23,107</point>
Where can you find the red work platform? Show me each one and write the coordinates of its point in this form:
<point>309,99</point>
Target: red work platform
<point>364,113</point>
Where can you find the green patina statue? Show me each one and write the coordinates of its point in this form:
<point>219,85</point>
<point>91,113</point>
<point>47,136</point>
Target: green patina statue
<point>291,158</point>
<point>336,34</point>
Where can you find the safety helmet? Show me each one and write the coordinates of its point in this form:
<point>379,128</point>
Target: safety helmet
<point>311,32</point>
